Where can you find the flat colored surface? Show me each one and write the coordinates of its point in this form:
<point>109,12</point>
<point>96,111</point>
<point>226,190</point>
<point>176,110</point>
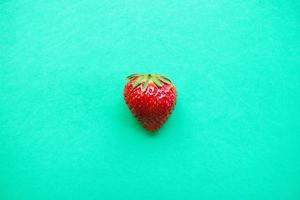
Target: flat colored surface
<point>66,133</point>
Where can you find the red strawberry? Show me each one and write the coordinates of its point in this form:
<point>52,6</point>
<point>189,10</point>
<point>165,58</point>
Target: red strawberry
<point>151,98</point>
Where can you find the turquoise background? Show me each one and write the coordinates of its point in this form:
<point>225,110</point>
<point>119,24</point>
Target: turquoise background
<point>66,133</point>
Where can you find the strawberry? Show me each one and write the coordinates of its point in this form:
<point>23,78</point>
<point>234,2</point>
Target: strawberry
<point>151,98</point>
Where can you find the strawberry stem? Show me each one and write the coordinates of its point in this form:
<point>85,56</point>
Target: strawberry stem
<point>145,79</point>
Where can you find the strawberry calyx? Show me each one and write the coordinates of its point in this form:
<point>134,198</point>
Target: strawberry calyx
<point>145,79</point>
